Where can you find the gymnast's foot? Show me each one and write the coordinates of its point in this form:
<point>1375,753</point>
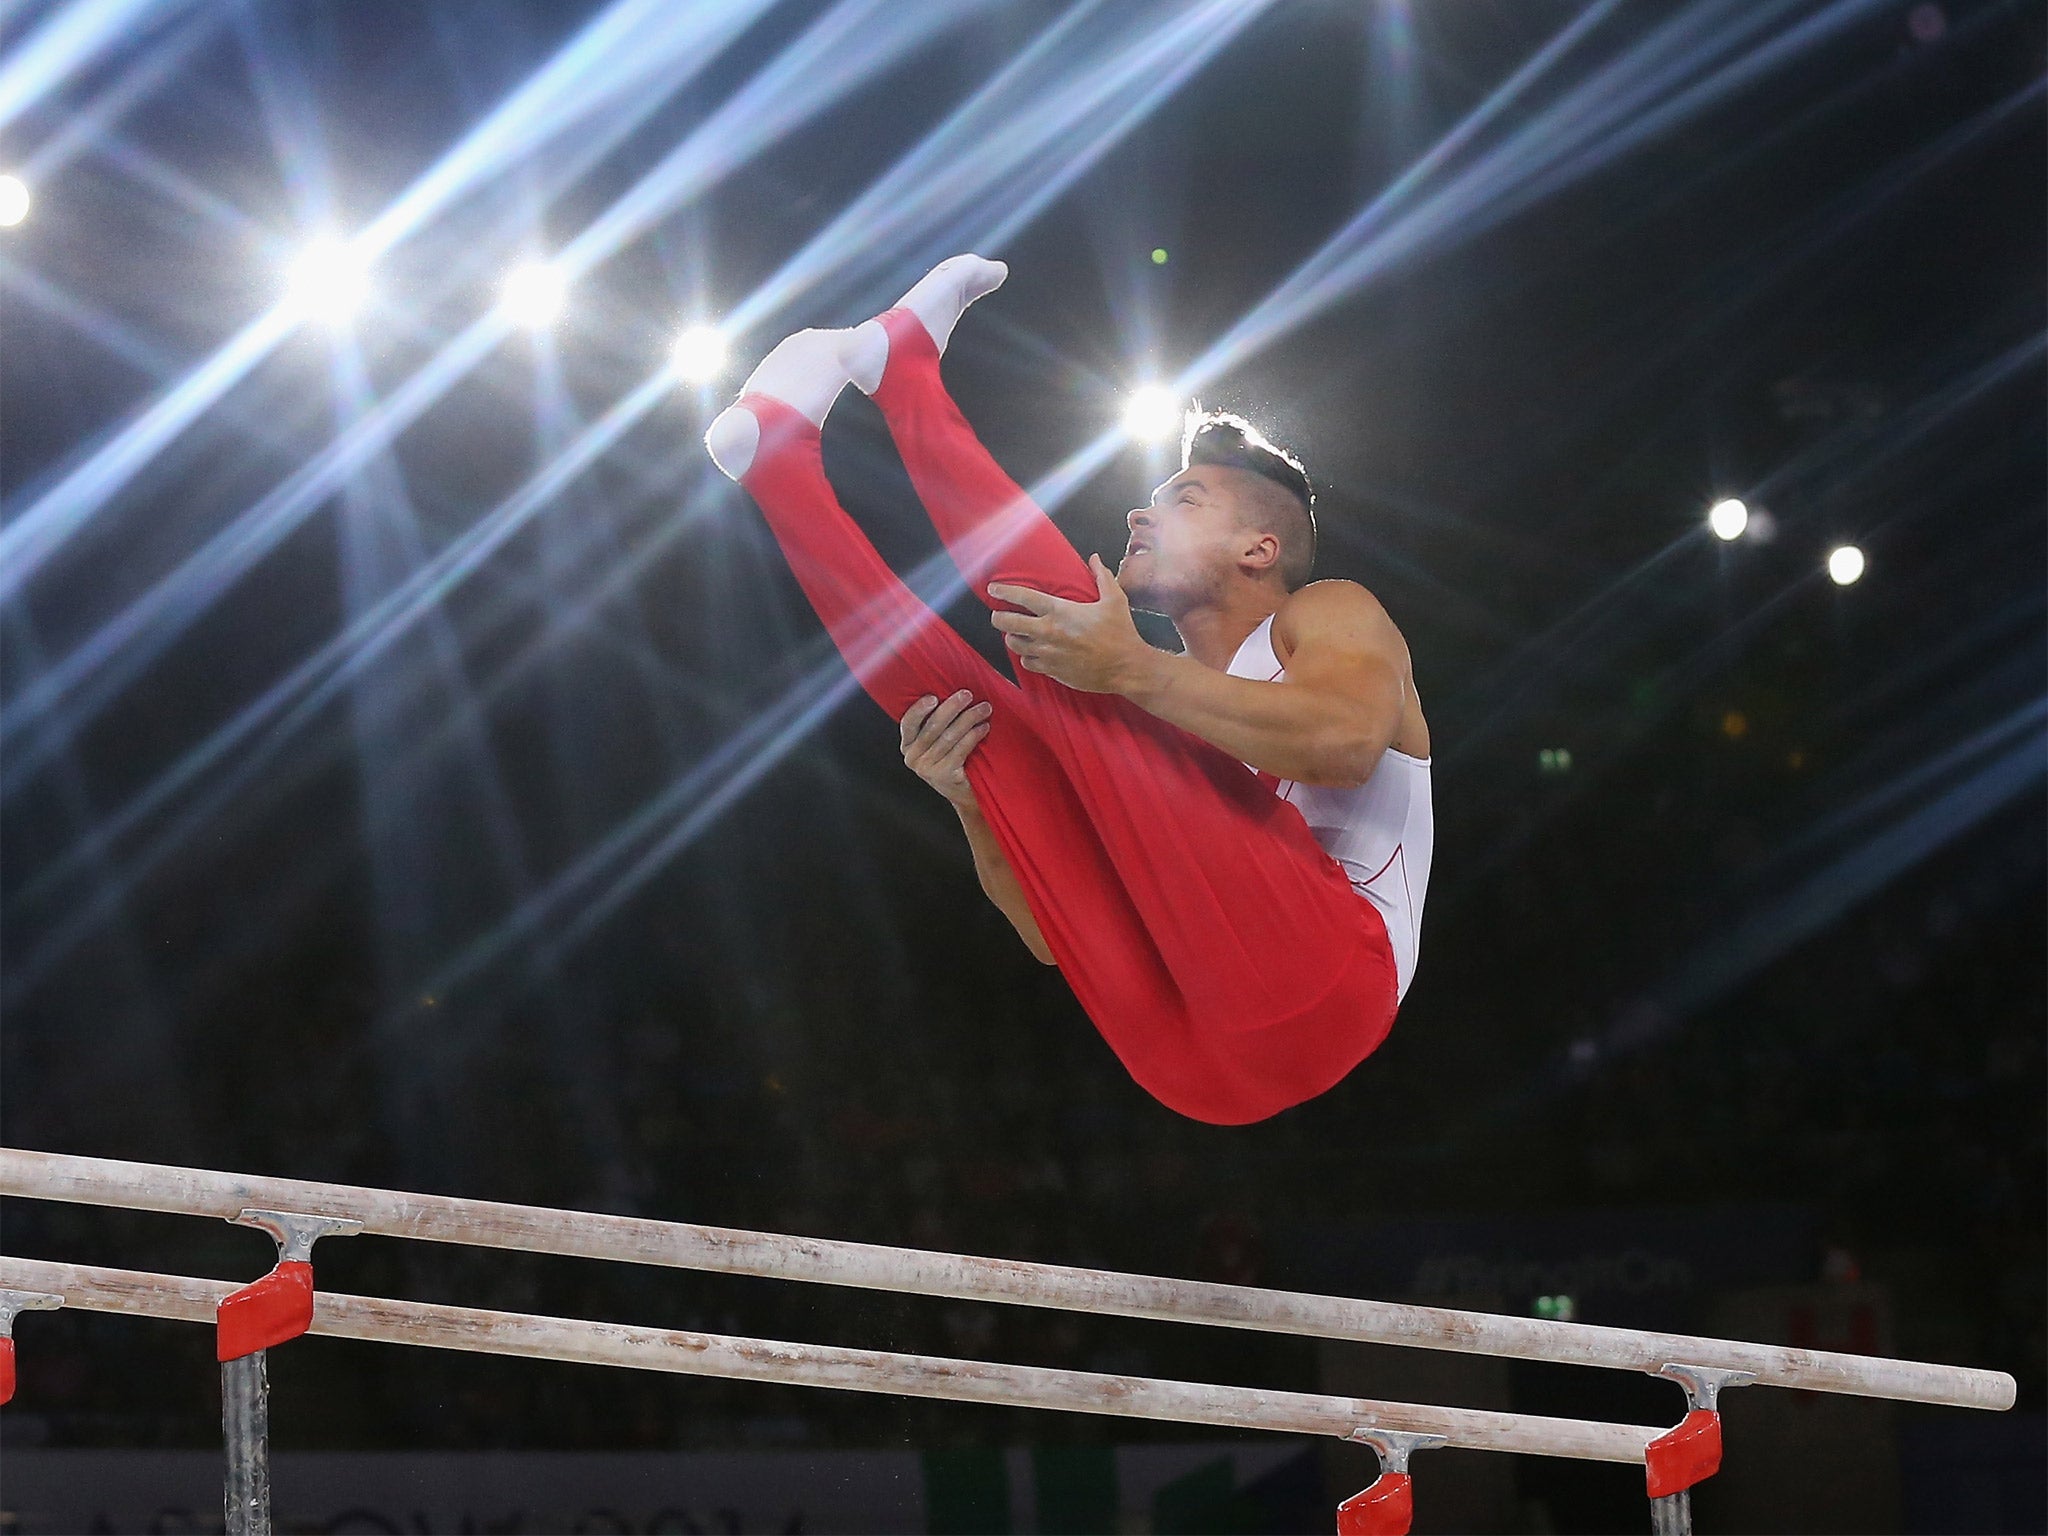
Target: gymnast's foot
<point>938,300</point>
<point>805,372</point>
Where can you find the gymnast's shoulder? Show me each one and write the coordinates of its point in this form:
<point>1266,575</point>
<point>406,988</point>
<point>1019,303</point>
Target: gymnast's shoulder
<point>1335,609</point>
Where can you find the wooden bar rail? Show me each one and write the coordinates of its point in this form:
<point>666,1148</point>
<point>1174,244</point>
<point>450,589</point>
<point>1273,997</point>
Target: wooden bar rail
<point>636,1240</point>
<point>854,1370</point>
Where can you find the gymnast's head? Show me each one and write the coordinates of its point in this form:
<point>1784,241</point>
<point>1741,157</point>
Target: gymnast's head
<point>1240,511</point>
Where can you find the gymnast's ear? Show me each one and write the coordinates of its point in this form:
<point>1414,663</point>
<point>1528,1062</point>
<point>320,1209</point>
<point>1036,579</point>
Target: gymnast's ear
<point>1258,550</point>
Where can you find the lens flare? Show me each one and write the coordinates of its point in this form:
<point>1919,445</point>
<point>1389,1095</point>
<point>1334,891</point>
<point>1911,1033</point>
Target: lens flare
<point>328,282</point>
<point>1152,414</point>
<point>1845,565</point>
<point>534,295</point>
<point>698,355</point>
<point>13,201</point>
<point>1728,519</point>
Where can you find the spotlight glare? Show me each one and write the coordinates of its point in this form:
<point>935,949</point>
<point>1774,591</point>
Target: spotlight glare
<point>13,201</point>
<point>1728,518</point>
<point>1845,565</point>
<point>1153,413</point>
<point>533,295</point>
<point>698,355</point>
<point>328,282</point>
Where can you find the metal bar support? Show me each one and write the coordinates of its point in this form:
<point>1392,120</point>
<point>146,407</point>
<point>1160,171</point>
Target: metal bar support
<point>247,1325</point>
<point>245,1432</point>
<point>1690,1453</point>
<point>1387,1508</point>
<point>1672,1514</point>
<point>12,1305</point>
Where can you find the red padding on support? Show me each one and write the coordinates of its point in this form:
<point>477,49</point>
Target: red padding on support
<point>6,1370</point>
<point>276,1308</point>
<point>1385,1509</point>
<point>1689,1454</point>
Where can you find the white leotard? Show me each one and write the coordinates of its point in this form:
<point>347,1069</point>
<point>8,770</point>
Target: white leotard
<point>1381,832</point>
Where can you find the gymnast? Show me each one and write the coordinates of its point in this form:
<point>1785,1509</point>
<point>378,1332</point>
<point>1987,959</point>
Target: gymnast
<point>1225,850</point>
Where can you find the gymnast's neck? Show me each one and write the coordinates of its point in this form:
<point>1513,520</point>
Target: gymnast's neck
<point>1212,630</point>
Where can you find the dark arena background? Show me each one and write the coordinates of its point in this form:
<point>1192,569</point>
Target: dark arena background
<point>418,768</point>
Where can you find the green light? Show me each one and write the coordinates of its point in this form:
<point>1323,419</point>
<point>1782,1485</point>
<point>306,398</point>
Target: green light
<point>1159,256</point>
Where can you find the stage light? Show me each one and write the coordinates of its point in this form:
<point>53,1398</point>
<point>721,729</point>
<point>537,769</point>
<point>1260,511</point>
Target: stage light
<point>328,282</point>
<point>533,295</point>
<point>698,355</point>
<point>13,201</point>
<point>1153,413</point>
<point>1728,518</point>
<point>1845,565</point>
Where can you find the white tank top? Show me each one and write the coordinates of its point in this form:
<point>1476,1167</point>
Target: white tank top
<point>1382,832</point>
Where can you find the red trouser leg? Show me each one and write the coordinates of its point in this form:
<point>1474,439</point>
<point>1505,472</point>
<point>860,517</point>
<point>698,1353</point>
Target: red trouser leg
<point>993,531</point>
<point>1224,958</point>
<point>901,651</point>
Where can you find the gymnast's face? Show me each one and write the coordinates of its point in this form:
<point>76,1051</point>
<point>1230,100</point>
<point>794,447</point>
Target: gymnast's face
<point>1190,543</point>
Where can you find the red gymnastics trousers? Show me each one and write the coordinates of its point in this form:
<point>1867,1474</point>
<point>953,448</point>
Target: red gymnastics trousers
<point>1223,955</point>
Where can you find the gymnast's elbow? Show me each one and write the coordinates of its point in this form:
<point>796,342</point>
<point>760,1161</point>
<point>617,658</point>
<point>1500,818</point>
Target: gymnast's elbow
<point>1346,759</point>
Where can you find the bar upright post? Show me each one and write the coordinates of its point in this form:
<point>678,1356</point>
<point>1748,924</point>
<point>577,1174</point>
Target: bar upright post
<point>245,1432</point>
<point>1671,1515</point>
<point>1388,1506</point>
<point>1689,1453</point>
<point>251,1321</point>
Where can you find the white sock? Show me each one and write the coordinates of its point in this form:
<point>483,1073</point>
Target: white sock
<point>805,372</point>
<point>938,299</point>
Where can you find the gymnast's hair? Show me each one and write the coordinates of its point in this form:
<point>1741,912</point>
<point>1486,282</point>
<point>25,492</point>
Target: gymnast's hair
<point>1217,437</point>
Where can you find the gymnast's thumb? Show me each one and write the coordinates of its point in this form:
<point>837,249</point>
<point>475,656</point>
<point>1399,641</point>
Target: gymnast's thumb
<point>1105,582</point>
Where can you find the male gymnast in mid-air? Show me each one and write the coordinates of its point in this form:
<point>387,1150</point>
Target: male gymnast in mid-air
<point>1225,851</point>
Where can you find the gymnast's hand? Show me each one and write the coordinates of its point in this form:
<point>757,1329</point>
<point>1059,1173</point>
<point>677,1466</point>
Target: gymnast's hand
<point>938,736</point>
<point>1094,647</point>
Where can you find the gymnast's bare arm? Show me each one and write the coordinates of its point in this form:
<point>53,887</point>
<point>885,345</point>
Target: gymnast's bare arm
<point>1347,697</point>
<point>938,736</point>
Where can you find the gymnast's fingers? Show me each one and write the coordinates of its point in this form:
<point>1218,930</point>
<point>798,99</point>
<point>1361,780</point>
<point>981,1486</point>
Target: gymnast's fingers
<point>947,718</point>
<point>914,718</point>
<point>955,758</point>
<point>1029,598</point>
<point>918,739</point>
<point>1014,623</point>
<point>963,722</point>
<point>946,711</point>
